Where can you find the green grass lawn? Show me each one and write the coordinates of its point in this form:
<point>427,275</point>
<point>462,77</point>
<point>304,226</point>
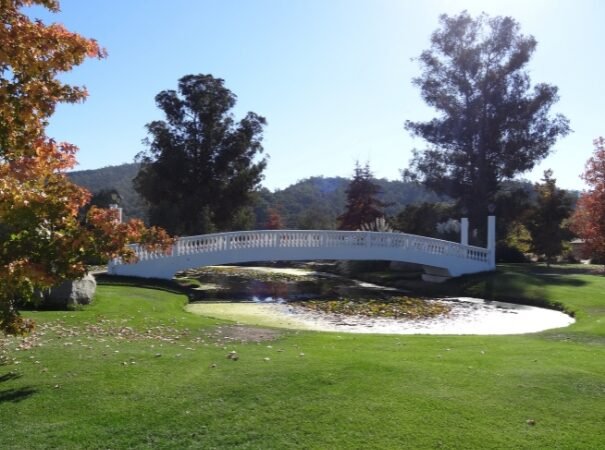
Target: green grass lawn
<point>133,370</point>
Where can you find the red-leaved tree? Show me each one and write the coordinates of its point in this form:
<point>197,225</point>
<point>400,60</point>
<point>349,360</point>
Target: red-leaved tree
<point>588,221</point>
<point>274,220</point>
<point>42,239</point>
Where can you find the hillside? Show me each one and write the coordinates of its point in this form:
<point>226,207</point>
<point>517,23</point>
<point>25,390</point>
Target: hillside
<point>316,202</point>
<point>312,203</point>
<point>114,177</point>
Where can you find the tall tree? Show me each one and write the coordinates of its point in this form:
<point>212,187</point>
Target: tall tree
<point>588,220</point>
<point>423,219</point>
<point>492,125</point>
<point>545,221</point>
<point>42,240</point>
<point>201,166</point>
<point>362,206</point>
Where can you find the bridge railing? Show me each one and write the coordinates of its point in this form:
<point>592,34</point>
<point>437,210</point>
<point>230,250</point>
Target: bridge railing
<point>234,241</point>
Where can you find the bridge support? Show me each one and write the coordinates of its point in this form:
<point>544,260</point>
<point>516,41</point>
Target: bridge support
<point>435,274</point>
<point>491,241</point>
<point>464,231</point>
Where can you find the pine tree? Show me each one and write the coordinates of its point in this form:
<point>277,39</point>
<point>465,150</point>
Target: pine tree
<point>545,222</point>
<point>362,206</point>
<point>492,124</point>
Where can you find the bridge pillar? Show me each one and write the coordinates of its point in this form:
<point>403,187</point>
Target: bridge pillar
<point>491,241</point>
<point>464,231</point>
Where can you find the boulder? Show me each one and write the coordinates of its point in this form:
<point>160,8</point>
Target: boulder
<point>72,293</point>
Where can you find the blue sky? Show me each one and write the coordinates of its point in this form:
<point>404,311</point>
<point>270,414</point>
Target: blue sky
<point>332,77</point>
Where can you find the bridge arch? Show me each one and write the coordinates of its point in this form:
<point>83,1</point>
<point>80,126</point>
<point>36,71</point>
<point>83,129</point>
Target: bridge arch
<point>440,259</point>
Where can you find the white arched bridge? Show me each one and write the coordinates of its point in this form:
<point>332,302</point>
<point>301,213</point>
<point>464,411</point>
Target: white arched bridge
<point>440,259</point>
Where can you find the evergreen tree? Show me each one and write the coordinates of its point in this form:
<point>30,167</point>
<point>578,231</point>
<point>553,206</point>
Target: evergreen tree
<point>201,168</point>
<point>492,125</point>
<point>423,219</point>
<point>545,224</point>
<point>362,205</point>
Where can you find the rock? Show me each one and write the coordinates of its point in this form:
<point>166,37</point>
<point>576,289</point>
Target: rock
<point>72,293</point>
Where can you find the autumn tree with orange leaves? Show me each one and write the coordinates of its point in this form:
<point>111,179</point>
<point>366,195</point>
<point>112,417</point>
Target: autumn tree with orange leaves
<point>42,240</point>
<point>274,220</point>
<point>588,221</point>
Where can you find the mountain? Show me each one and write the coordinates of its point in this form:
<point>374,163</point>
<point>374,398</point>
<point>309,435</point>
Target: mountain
<point>312,203</point>
<point>114,177</point>
<point>316,202</point>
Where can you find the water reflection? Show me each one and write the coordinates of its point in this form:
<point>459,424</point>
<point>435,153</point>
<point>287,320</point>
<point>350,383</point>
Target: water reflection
<point>251,284</point>
<point>274,297</point>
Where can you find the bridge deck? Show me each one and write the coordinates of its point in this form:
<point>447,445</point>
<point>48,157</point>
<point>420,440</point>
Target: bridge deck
<point>442,258</point>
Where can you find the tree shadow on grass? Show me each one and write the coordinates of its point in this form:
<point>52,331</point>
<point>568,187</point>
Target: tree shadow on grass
<point>557,269</point>
<point>149,283</point>
<point>515,283</point>
<point>537,275</point>
<point>14,395</point>
<point>556,279</point>
<point>9,376</point>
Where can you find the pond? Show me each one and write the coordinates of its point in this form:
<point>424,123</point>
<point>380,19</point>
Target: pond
<point>302,299</point>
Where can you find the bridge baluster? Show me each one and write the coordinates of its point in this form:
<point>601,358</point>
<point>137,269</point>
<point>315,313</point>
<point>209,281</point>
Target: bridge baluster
<point>339,241</point>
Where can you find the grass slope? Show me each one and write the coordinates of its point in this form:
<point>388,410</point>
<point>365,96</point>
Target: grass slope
<point>135,371</point>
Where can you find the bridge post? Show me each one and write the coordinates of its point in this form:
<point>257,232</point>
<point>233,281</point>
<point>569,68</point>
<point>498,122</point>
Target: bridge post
<point>491,241</point>
<point>464,231</point>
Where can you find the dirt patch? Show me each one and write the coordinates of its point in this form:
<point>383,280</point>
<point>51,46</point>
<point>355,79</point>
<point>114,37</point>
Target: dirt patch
<point>243,334</point>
